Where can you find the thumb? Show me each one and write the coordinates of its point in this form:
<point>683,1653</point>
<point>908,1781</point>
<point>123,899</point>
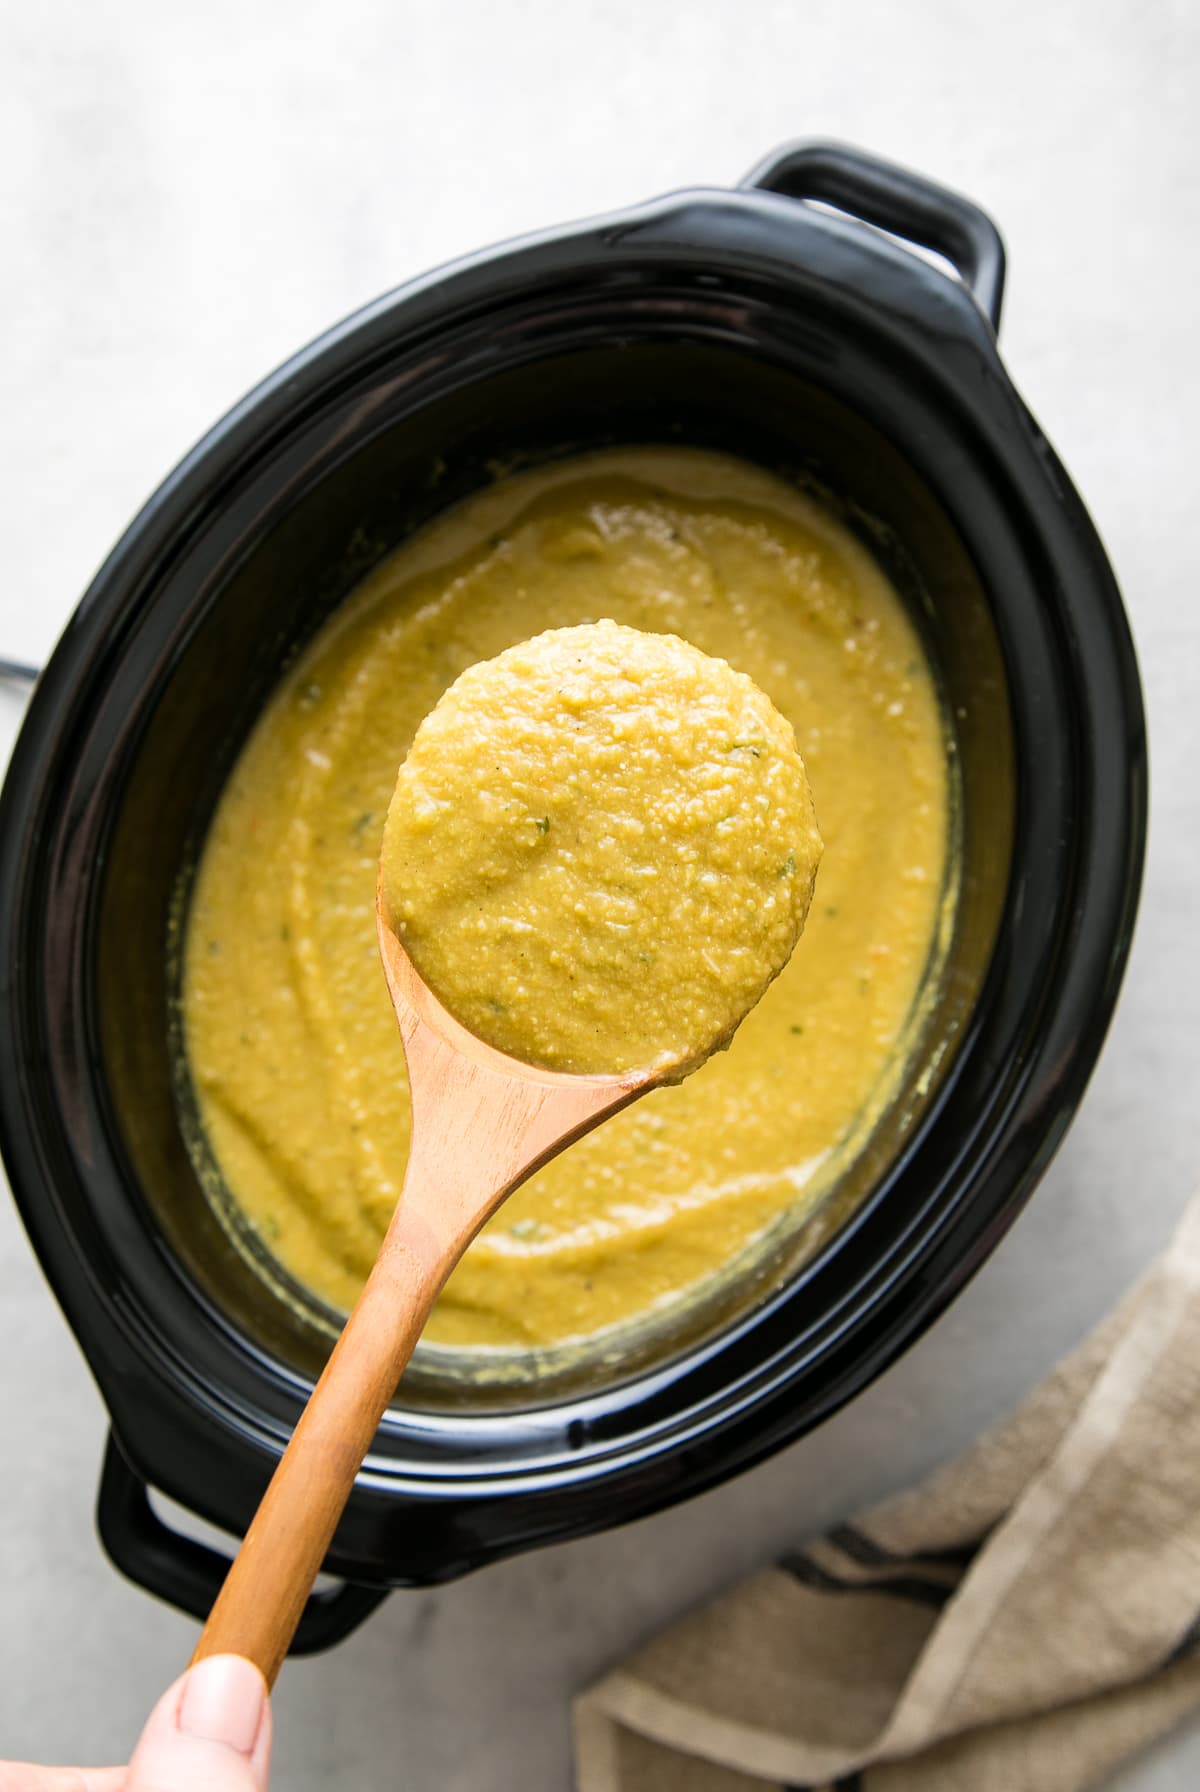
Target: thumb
<point>210,1732</point>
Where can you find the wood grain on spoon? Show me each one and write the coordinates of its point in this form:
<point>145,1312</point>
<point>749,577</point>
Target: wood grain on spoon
<point>663,768</point>
<point>482,1123</point>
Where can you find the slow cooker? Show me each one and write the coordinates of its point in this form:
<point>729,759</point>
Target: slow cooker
<point>834,319</point>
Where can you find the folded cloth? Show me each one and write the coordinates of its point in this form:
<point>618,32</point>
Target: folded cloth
<point>1021,1623</point>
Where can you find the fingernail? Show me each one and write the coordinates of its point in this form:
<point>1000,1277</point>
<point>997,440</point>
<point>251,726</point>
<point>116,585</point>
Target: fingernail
<point>223,1701</point>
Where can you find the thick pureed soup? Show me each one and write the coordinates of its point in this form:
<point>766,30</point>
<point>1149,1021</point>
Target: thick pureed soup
<point>291,1043</point>
<point>601,850</point>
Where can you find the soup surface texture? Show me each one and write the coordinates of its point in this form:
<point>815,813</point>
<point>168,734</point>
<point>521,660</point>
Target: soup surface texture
<point>601,850</point>
<point>291,1045</point>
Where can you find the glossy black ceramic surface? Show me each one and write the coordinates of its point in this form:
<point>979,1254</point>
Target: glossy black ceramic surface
<point>746,320</point>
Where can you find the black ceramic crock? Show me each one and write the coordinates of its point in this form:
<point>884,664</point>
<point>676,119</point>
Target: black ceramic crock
<point>808,338</point>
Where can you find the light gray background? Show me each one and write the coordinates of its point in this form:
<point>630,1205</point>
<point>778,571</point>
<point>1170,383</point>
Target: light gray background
<point>186,194</point>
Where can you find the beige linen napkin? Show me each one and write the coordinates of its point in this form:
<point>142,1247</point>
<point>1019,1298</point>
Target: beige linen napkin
<point>1021,1623</point>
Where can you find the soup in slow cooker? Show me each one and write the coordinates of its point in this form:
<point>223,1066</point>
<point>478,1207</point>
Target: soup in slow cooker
<point>292,1047</point>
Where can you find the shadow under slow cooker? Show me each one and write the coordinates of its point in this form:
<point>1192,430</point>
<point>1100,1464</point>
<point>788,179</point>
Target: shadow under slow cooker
<point>292,540</point>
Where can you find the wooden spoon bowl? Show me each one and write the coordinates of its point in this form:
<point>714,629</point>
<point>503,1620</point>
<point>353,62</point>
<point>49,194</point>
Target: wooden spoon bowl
<point>481,1124</point>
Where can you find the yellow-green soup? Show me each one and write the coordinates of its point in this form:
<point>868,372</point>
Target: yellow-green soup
<point>291,1042</point>
<point>601,850</point>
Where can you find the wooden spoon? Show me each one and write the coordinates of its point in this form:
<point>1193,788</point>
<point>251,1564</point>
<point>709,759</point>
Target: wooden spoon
<point>481,1123</point>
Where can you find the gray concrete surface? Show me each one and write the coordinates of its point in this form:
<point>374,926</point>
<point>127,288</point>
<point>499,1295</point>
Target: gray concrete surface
<point>188,193</point>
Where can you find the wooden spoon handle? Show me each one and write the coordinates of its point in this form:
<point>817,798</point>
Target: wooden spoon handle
<point>259,1606</point>
<point>481,1124</point>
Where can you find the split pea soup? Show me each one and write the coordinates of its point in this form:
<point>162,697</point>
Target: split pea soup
<point>292,1050</point>
<point>601,850</point>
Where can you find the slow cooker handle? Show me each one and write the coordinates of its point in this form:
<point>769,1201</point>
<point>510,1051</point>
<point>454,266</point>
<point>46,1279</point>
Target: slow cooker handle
<point>895,200</point>
<point>189,1575</point>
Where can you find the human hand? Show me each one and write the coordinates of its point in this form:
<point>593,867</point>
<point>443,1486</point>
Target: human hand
<point>210,1732</point>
